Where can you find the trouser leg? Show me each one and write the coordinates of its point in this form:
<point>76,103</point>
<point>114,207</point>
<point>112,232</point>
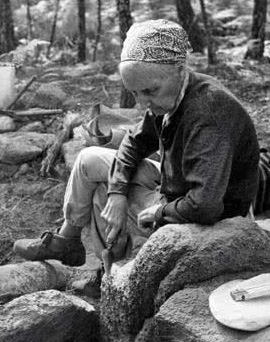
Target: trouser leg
<point>91,168</point>
<point>86,194</point>
<point>142,194</point>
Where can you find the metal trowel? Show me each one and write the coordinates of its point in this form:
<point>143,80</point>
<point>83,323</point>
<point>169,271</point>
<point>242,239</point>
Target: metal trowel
<point>111,255</point>
<point>108,259</point>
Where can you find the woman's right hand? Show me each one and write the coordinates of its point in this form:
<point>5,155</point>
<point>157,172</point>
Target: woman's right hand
<point>115,215</point>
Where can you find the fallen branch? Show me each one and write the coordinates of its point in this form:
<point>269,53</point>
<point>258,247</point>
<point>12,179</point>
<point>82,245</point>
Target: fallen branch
<point>19,115</point>
<point>38,111</point>
<point>55,148</point>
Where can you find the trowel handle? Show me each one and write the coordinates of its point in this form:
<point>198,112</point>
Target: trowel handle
<point>250,292</point>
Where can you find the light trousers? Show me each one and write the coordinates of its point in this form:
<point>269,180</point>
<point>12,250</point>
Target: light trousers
<point>86,196</point>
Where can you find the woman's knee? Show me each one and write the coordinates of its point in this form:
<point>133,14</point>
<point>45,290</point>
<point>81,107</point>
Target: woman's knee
<point>94,162</point>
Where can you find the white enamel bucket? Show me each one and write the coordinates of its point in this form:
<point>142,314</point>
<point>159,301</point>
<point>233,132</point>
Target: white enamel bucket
<point>7,84</point>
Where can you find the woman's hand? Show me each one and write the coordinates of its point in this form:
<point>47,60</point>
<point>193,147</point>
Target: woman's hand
<point>115,215</point>
<point>146,217</point>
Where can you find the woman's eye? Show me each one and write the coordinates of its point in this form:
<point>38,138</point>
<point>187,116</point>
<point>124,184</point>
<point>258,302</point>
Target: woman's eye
<point>149,91</point>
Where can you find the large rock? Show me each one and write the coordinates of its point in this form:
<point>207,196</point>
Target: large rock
<point>186,317</point>
<point>32,276</point>
<point>50,95</point>
<point>20,147</point>
<point>174,256</point>
<point>48,316</point>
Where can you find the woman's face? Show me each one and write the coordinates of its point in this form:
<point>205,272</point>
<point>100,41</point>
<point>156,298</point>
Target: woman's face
<point>154,86</point>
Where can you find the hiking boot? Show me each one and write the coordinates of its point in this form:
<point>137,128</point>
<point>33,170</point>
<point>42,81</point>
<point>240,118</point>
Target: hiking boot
<point>70,251</point>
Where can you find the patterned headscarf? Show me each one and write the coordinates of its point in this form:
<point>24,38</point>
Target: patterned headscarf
<point>156,41</point>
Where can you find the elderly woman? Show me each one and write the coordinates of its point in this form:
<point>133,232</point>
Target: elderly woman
<point>209,155</point>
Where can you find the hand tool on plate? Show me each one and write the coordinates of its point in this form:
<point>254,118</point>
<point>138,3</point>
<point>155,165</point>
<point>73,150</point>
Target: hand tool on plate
<point>243,304</point>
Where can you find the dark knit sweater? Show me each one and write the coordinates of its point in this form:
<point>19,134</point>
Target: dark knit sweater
<point>209,155</point>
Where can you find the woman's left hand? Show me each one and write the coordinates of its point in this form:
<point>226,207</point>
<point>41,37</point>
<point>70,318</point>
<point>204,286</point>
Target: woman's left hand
<point>146,217</point>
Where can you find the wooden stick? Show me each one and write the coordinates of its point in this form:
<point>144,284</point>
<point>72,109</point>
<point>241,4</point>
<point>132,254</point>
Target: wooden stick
<point>18,115</point>
<point>39,111</point>
<point>33,78</point>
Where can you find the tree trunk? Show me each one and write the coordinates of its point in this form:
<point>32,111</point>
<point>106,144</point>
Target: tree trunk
<point>82,31</point>
<point>188,21</point>
<point>212,57</point>
<point>7,38</point>
<point>98,30</point>
<point>125,21</point>
<point>29,21</point>
<point>256,43</point>
<point>53,28</point>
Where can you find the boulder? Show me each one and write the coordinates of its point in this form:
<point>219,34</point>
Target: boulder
<point>20,147</point>
<point>32,276</point>
<point>29,52</point>
<point>174,256</point>
<point>48,316</point>
<point>50,95</point>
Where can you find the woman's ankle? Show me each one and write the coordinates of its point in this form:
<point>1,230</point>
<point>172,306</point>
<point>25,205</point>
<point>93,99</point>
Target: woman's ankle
<point>70,230</point>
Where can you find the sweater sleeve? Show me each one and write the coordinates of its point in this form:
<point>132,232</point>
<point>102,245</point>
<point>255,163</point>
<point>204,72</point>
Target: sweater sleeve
<point>137,144</point>
<point>206,165</point>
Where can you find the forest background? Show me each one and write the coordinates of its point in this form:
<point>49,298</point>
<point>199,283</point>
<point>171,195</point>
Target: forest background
<point>230,40</point>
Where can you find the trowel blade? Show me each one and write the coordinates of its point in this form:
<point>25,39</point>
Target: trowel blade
<point>108,258</point>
